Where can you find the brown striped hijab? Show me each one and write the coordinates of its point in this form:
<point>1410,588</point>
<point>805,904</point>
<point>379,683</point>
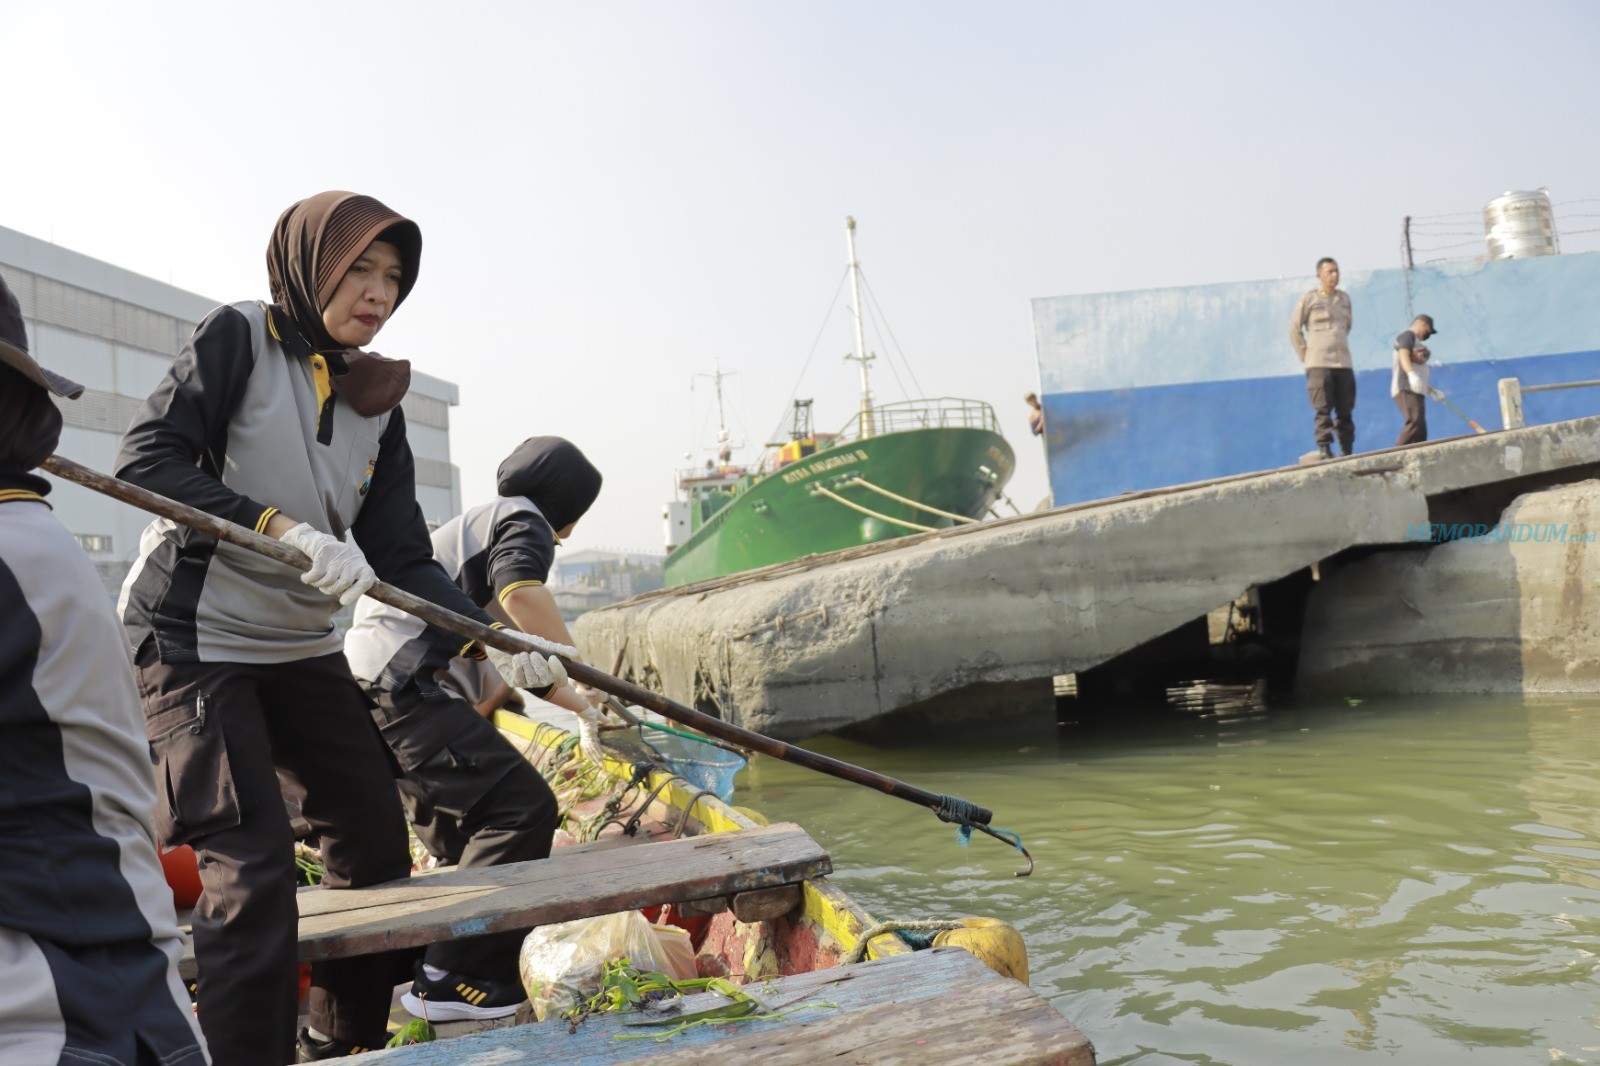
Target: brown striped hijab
<point>314,243</point>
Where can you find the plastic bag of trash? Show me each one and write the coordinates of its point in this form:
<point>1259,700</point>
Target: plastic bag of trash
<point>678,949</point>
<point>561,965</point>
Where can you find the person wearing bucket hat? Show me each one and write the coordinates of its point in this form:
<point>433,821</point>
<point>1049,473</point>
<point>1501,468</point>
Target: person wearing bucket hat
<point>88,936</point>
<point>275,410</point>
<point>471,797</point>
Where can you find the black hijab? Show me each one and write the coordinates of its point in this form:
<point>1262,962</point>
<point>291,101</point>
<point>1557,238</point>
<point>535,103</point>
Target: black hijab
<point>30,423</point>
<point>555,475</point>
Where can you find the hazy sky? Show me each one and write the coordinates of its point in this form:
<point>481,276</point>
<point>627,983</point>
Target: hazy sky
<point>615,195</point>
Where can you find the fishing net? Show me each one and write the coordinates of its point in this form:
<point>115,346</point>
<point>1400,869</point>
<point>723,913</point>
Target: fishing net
<point>699,762</point>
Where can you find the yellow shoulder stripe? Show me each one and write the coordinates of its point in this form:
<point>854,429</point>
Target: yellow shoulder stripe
<point>13,495</point>
<point>514,586</point>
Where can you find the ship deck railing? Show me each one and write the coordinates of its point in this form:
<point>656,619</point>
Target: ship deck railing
<point>946,412</point>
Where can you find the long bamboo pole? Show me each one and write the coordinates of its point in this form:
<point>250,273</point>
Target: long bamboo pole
<point>512,641</point>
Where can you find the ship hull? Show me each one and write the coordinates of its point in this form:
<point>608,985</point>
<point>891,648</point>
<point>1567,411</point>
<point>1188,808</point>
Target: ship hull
<point>1160,387</point>
<point>786,515</point>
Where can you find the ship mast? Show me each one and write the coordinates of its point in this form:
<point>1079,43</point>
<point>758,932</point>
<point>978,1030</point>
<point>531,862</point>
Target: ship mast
<point>860,355</point>
<point>724,442</point>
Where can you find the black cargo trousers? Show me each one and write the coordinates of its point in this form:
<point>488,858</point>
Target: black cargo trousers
<point>1414,409</point>
<point>472,799</point>
<point>1332,391</point>
<point>232,741</point>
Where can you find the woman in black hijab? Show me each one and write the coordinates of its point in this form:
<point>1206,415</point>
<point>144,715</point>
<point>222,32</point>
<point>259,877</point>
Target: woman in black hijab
<point>272,411</point>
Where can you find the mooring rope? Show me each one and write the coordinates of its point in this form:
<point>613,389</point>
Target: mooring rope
<point>823,490</point>
<point>922,935</point>
<point>864,483</point>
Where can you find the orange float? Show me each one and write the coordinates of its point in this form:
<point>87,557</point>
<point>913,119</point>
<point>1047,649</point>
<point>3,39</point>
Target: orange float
<point>182,869</point>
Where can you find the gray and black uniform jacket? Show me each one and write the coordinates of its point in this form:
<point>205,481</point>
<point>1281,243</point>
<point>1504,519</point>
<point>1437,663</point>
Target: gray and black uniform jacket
<point>489,551</point>
<point>245,424</point>
<point>88,939</point>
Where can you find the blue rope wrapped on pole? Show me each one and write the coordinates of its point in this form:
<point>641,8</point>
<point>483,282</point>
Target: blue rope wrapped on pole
<point>962,814</point>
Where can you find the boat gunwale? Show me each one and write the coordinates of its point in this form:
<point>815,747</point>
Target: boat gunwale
<point>823,904</point>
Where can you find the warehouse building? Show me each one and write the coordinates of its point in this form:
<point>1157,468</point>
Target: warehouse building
<point>115,332</point>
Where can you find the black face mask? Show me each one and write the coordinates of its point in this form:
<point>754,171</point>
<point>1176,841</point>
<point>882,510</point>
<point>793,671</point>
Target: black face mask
<point>30,423</point>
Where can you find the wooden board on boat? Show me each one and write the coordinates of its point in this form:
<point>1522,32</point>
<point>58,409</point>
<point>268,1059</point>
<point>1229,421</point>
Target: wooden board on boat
<point>574,882</point>
<point>941,1005</point>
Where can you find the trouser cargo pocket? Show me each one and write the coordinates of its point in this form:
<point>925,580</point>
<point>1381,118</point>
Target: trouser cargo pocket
<point>417,722</point>
<point>195,782</point>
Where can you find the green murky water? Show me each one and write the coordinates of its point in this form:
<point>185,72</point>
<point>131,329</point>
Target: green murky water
<point>1398,880</point>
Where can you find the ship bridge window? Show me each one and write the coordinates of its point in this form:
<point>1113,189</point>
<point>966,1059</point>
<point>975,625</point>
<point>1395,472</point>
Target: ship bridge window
<point>712,502</point>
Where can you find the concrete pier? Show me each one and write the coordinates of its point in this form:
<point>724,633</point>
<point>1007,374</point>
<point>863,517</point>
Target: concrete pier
<point>1510,612</point>
<point>988,614</point>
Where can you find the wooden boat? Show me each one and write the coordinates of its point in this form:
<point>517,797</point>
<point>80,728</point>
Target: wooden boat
<point>762,913</point>
<point>761,909</point>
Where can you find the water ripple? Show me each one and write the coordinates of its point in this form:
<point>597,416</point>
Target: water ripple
<point>1403,880</point>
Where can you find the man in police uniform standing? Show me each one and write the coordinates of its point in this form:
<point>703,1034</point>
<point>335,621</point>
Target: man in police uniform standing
<point>1319,329</point>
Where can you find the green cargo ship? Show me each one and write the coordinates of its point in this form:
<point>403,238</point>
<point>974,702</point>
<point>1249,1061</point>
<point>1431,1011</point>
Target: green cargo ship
<point>895,469</point>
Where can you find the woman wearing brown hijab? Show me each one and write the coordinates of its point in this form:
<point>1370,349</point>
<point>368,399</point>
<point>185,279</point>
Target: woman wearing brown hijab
<point>272,411</point>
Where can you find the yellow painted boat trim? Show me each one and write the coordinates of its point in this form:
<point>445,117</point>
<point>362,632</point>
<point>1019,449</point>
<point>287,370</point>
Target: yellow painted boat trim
<point>822,903</point>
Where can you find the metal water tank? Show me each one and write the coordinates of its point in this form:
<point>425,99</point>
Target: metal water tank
<point>1520,224</point>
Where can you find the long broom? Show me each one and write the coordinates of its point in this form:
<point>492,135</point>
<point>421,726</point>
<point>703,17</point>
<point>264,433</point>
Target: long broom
<point>1437,395</point>
<point>965,815</point>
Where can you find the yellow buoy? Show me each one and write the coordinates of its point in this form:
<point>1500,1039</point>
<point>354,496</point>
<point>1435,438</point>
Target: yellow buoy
<point>995,943</point>
<point>755,816</point>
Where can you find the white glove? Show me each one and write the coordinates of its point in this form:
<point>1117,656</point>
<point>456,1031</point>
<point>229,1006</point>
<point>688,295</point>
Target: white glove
<point>525,669</point>
<point>589,736</point>
<point>1436,394</point>
<point>1415,381</point>
<point>337,568</point>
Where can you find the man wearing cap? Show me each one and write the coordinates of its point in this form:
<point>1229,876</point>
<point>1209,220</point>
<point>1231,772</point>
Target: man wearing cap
<point>1319,330</point>
<point>1409,385</point>
<point>88,939</point>
<point>471,797</point>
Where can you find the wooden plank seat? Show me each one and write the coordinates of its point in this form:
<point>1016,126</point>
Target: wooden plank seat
<point>575,882</point>
<point>941,1005</point>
